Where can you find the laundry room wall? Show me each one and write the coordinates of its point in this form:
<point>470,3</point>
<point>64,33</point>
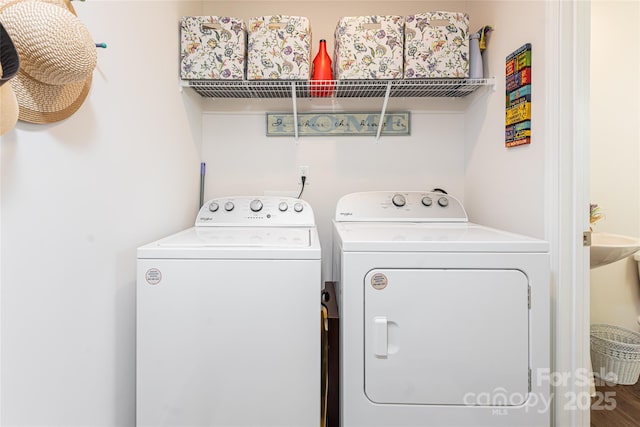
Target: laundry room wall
<point>615,156</point>
<point>77,198</point>
<point>242,160</point>
<point>504,187</point>
<point>454,144</point>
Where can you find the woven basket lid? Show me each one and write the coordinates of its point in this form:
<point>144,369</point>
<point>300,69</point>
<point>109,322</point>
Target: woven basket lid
<point>57,56</point>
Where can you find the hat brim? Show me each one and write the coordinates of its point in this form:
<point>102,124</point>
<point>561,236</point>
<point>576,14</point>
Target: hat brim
<point>43,103</point>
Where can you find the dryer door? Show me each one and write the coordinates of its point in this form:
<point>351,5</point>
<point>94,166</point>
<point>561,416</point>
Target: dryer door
<point>446,337</point>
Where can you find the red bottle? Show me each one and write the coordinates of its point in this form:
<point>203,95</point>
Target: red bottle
<point>322,77</point>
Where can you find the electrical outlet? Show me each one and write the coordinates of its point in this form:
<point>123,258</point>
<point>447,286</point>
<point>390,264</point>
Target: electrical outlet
<point>303,171</point>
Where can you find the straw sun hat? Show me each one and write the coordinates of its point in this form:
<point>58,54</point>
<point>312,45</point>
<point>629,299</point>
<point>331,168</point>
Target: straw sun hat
<point>57,58</point>
<point>9,64</point>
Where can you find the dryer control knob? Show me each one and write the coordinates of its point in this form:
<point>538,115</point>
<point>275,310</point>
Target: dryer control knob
<point>298,207</point>
<point>443,201</point>
<point>399,200</point>
<point>283,206</point>
<point>213,207</point>
<point>427,201</point>
<point>255,205</point>
<point>229,206</point>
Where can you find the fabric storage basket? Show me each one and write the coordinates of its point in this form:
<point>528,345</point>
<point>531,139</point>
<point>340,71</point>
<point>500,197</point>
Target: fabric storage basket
<point>212,47</point>
<point>279,48</point>
<point>615,354</point>
<point>369,47</point>
<point>437,45</point>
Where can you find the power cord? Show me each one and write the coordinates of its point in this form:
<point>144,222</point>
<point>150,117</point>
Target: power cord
<point>303,179</point>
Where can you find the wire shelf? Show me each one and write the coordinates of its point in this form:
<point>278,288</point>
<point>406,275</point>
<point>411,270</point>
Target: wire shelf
<point>410,88</point>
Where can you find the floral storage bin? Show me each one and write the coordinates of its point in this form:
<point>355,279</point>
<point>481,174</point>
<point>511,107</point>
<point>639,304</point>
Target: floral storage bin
<point>369,47</point>
<point>279,48</point>
<point>212,47</point>
<point>437,45</point>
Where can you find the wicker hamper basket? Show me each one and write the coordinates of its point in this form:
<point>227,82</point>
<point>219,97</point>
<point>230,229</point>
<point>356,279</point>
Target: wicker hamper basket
<point>615,353</point>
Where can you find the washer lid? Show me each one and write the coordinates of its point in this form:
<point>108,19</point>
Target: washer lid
<point>237,242</point>
<point>431,237</point>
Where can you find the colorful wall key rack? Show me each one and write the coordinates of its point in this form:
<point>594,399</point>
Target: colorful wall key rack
<point>518,97</point>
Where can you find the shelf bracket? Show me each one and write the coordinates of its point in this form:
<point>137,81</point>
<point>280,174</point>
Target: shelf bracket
<point>384,110</point>
<point>294,100</point>
<point>492,82</point>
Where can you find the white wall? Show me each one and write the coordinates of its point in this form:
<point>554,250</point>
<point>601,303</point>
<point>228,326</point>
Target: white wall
<point>77,198</point>
<point>504,187</point>
<point>615,153</point>
<point>251,164</point>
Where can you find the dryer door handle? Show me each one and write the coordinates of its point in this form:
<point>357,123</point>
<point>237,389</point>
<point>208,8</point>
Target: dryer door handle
<point>380,337</point>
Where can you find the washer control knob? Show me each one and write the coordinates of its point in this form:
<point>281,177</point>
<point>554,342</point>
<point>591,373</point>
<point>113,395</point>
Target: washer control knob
<point>255,205</point>
<point>283,206</point>
<point>443,201</point>
<point>213,207</point>
<point>298,207</point>
<point>427,201</point>
<point>398,200</point>
<point>229,206</point>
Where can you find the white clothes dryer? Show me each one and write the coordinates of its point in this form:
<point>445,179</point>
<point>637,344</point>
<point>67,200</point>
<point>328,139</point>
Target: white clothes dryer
<point>228,318</point>
<point>442,322</point>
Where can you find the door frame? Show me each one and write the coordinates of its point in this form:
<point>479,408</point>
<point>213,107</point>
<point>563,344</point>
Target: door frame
<point>567,200</point>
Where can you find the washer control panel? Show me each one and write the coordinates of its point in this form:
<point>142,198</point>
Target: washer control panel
<point>255,211</point>
<point>407,206</point>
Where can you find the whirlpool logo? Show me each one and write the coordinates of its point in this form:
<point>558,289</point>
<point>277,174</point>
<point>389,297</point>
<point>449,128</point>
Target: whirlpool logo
<point>346,214</point>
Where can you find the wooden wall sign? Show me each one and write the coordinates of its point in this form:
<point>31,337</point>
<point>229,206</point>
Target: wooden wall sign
<point>338,124</point>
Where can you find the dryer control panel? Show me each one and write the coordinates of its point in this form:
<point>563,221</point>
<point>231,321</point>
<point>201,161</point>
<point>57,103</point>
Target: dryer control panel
<point>255,211</point>
<point>400,206</point>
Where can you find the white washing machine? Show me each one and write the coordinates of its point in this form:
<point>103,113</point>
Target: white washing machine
<point>228,318</point>
<point>442,322</point>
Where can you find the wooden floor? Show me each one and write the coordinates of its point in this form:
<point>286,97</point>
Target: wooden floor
<point>616,406</point>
